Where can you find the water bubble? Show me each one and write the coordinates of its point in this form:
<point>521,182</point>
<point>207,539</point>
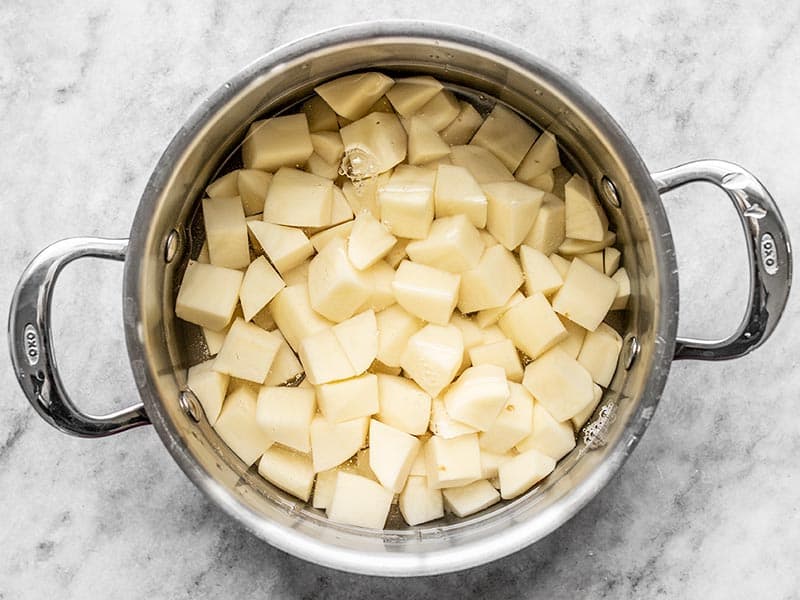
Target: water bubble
<point>357,165</point>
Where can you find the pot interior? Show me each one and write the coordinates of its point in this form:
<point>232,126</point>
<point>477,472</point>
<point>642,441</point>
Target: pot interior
<point>484,72</point>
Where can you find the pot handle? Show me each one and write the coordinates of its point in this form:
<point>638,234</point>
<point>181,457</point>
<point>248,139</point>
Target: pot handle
<point>768,251</point>
<point>29,334</point>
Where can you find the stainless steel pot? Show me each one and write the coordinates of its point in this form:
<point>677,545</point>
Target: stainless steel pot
<point>161,242</point>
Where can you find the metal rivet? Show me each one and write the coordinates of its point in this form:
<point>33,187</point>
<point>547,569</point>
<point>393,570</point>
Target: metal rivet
<point>630,351</point>
<point>172,245</point>
<point>609,191</point>
<point>189,404</point>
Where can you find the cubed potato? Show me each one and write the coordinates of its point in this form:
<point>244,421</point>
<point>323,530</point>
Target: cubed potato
<point>532,325</point>
<point>336,288</point>
<point>409,94</point>
<point>381,276</point>
<point>548,436</point>
<point>203,256</point>
<point>594,260</point>
<point>443,425</point>
<point>493,334</point>
<point>323,487</point>
<point>225,186</point>
<point>334,443</point>
<point>359,501</point>
<point>572,247</point>
<point>208,295</point>
<point>545,182</point>
<point>464,126</point>
<point>290,471</point>
<point>253,186</point>
<point>373,144</point>
<point>470,330</point>
<point>561,264</point>
<point>324,359</point>
<point>540,274</point>
<point>395,327</point>
<point>298,198</point>
<point>352,95</point>
<point>247,352</point>
<point>358,336</point>
<point>210,387</point>
<point>319,115</point>
<point>611,259</point>
<point>440,111</point>
<point>468,499</point>
<point>328,145</point>
<point>457,193</point>
<point>369,241</point>
<point>506,135</point>
<point>424,144</point>
<point>433,356</point>
<point>453,244</point>
<point>418,466</point>
<point>623,289</point>
<point>403,404</point>
<point>560,383</point>
<point>214,339</point>
<point>490,464</point>
<point>586,296</point>
<point>291,309</point>
<point>260,285</point>
<point>491,283</point>
<point>490,316</point>
<point>420,503</point>
<point>321,239</point>
<point>363,195</point>
<point>484,166</point>
<point>391,454</point>
<point>286,247</point>
<point>316,165</point>
<point>428,293</point>
<point>237,426</point>
<point>522,472</point>
<point>397,253</point>
<point>580,419</point>
<point>478,396</point>
<point>502,354</point>
<point>362,465</point>
<point>285,413</point>
<point>340,209</point>
<point>298,275</point>
<point>285,367</point>
<point>349,398</point>
<point>454,462</point>
<point>542,157</point>
<point>406,202</point>
<point>574,340</point>
<point>226,232</point>
<point>512,210</point>
<point>277,142</point>
<point>600,353</point>
<point>585,218</point>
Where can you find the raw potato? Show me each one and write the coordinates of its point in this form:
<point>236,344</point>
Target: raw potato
<point>358,336</point>
<point>317,165</point>
<point>363,195</point>
<point>253,187</point>
<point>277,142</point>
<point>397,254</point>
<point>440,111</point>
<point>560,383</point>
<point>545,182</point>
<point>594,260</point>
<point>561,264</point>
<point>424,144</point>
<point>471,498</point>
<point>540,274</point>
<point>454,462</point>
<point>433,356</point>
<point>359,501</point>
<point>334,443</point>
<point>522,472</point>
<point>513,208</point>
<point>391,454</point>
<point>247,352</point>
<point>226,186</point>
<point>420,503</point>
<point>582,417</point>
<point>208,295</point>
<point>532,325</point>
<point>260,285</point>
<point>395,327</point>
<point>349,399</point>
<point>328,146</point>
<point>541,158</point>
<point>624,290</point>
<point>321,239</point>
<point>406,202</point>
<point>237,426</point>
<point>226,232</point>
<point>572,247</point>
<point>586,296</point>
<point>453,244</point>
<point>369,241</point>
<point>336,288</point>
<point>320,116</point>
<point>286,247</point>
<point>323,487</point>
<point>291,309</point>
<point>484,166</point>
<point>585,218</point>
<point>324,359</point>
<point>478,396</point>
<point>491,283</point>
<point>210,387</point>
<point>410,94</point>
<point>381,276</point>
<point>464,126</point>
<point>285,413</point>
<point>502,354</point>
<point>444,426</point>
<point>574,340</point>
<point>457,193</point>
<point>490,316</point>
<point>340,208</point>
<point>600,352</point>
<point>298,198</point>
<point>403,404</point>
<point>428,293</point>
<point>490,463</point>
<point>352,96</point>
<point>374,144</point>
<point>611,259</point>
<point>285,368</point>
<point>548,436</point>
<point>512,424</point>
<point>290,471</point>
<point>506,135</point>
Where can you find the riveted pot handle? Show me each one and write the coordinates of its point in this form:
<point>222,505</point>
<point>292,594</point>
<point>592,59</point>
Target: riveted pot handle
<point>29,336</point>
<point>768,251</point>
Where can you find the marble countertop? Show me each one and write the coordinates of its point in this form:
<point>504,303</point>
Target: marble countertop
<point>708,505</point>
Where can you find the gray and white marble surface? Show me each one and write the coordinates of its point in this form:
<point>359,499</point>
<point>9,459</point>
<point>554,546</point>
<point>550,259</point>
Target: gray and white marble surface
<point>90,94</point>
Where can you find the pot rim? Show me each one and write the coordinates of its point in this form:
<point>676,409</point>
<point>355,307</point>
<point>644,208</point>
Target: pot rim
<point>456,557</point>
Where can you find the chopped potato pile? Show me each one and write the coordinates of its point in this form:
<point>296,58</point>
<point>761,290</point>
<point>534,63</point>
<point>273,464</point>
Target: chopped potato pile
<point>404,300</point>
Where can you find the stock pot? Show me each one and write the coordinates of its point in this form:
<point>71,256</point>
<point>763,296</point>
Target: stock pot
<point>163,238</point>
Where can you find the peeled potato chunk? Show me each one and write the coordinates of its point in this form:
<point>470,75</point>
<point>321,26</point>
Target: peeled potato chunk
<point>542,157</point>
<point>226,232</point>
<point>253,186</point>
<point>573,247</point>
<point>502,354</point>
<point>490,316</point>
<point>395,327</point>
<point>210,387</point>
<point>548,436</point>
<point>440,111</point>
<point>237,426</point>
<point>585,218</point>
<point>574,340</point>
<point>491,283</point>
<point>406,202</point>
<point>359,501</point>
<point>324,359</point>
<point>506,135</point>
<point>336,288</point>
<point>363,194</point>
<point>445,426</point>
<point>260,285</point>
<point>521,473</point>
<point>549,228</point>
<point>611,259</point>
<point>320,116</point>
<point>381,276</point>
<point>594,260</point>
<point>403,404</point>
<point>579,420</point>
<point>410,94</point>
<point>374,144</point>
<point>425,292</point>
<point>290,471</point>
<point>424,144</point>
<point>464,126</point>
<point>320,239</point>
<point>285,413</point>
<point>471,498</point>
<point>545,182</point>
<point>433,356</point>
<point>328,146</point>
<point>532,325</point>
<point>277,142</point>
<point>458,194</point>
<point>291,309</point>
<point>560,383</point>
<point>540,274</point>
<point>391,454</point>
<point>478,395</point>
<point>454,462</point>
<point>561,264</point>
<point>351,96</point>
<point>484,166</point>
<point>369,241</point>
<point>453,244</point>
<point>600,352</point>
<point>316,165</point>
<point>358,336</point>
<point>334,443</point>
<point>298,198</point>
<point>420,503</point>
<point>208,295</point>
<point>285,367</point>
<point>586,296</point>
<point>247,352</point>
<point>623,291</point>
<point>323,487</point>
<point>512,210</point>
<point>226,186</point>
<point>512,424</point>
<point>349,398</point>
<point>490,463</point>
<point>286,247</point>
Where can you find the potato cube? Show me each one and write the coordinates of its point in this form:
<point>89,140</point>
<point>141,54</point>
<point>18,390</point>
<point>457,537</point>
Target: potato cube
<point>260,285</point>
<point>334,443</point>
<point>478,395</point>
<point>506,135</point>
<point>285,367</point>
<point>484,166</point>
<point>490,316</point>
<point>285,413</point>
<point>424,144</point>
<point>324,359</point>
<point>532,325</point>
<point>545,182</point>
<point>373,144</point>
<point>623,291</point>
<point>363,195</point>
<point>403,404</point>
<point>247,352</point>
<point>464,126</point>
<point>561,264</point>
<point>490,463</point>
<point>286,247</point>
<point>316,165</point>
<point>586,296</point>
<point>291,309</point>
<point>340,208</point>
<point>522,472</point>
<point>298,198</point>
<point>208,295</point>
<point>540,274</point>
<point>572,247</point>
<point>542,157</point>
<point>203,256</point>
<point>560,383</point>
<point>277,142</point>
<point>611,258</point>
<point>351,96</point>
<point>320,116</point>
<point>395,327</point>
<point>443,425</point>
<point>381,276</point>
<point>237,426</point>
<point>418,466</point>
<point>290,471</point>
<point>369,241</point>
<point>433,356</point>
<point>513,208</point>
<point>349,399</point>
<point>359,337</point>
<point>298,275</point>
<point>420,503</point>
<point>253,186</point>
<point>574,340</point>
<point>471,498</point>
<point>323,488</point>
<point>585,218</point>
<point>359,501</point>
<point>600,352</point>
<point>493,334</point>
<point>428,293</point>
<point>409,94</point>
<point>226,232</point>
<point>321,239</point>
<point>210,387</point>
<point>406,202</point>
<point>454,462</point>
<point>502,354</point>
<point>491,283</point>
<point>336,288</point>
<point>580,419</point>
<point>225,186</point>
<point>391,454</point>
<point>440,111</point>
<point>263,319</point>
<point>328,145</point>
<point>453,244</point>
<point>548,436</point>
<point>457,193</point>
